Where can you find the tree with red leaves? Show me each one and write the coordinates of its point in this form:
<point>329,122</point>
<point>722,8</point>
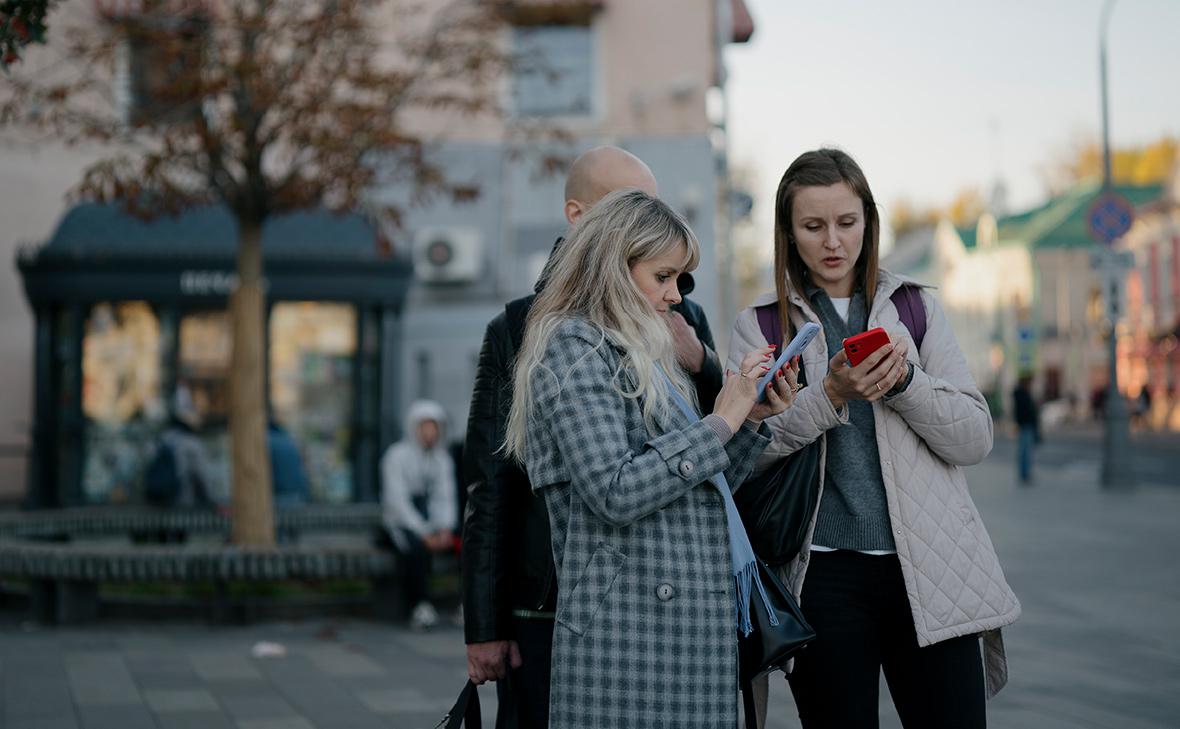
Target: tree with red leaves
<point>266,107</point>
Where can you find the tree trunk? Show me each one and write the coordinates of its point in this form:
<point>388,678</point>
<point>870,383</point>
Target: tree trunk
<point>253,509</point>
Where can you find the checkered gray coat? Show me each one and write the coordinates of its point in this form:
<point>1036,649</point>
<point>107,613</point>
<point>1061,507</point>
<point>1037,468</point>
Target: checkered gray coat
<point>646,633</point>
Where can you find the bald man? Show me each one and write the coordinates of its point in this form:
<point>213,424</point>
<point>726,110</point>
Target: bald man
<point>509,580</point>
<point>593,176</point>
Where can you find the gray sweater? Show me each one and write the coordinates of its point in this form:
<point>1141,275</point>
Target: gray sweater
<point>853,512</point>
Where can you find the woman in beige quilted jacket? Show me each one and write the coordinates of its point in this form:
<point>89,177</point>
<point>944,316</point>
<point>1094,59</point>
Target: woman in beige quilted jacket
<point>897,573</point>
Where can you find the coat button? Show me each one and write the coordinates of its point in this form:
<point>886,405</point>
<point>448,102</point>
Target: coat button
<point>665,592</point>
<point>686,468</point>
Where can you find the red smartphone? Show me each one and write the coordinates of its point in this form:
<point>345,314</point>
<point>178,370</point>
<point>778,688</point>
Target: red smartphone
<point>859,346</point>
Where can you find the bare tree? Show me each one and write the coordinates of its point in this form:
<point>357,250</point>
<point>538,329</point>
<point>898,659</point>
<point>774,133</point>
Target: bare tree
<point>266,107</point>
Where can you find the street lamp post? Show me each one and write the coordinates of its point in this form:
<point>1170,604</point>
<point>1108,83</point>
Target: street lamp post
<point>1116,457</point>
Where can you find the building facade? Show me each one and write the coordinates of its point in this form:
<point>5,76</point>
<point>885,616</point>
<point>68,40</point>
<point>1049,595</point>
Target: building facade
<point>1024,298</point>
<point>646,76</point>
<point>1150,344</point>
<point>987,290</point>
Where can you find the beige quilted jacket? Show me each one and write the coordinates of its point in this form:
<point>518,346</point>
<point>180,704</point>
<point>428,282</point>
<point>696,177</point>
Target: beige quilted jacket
<point>925,435</point>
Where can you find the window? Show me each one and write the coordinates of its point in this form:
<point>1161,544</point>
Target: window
<point>312,349</point>
<point>158,67</point>
<point>121,398</point>
<point>555,75</point>
<point>203,364</point>
<point>201,394</point>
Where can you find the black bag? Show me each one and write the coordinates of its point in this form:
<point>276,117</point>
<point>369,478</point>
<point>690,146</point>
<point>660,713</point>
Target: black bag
<point>768,647</point>
<point>465,712</point>
<point>776,506</point>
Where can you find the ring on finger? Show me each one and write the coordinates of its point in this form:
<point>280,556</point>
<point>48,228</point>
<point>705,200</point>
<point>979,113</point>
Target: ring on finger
<point>878,387</point>
<point>797,387</point>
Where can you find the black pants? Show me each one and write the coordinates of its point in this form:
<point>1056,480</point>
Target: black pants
<point>524,697</point>
<point>858,607</point>
<point>415,560</point>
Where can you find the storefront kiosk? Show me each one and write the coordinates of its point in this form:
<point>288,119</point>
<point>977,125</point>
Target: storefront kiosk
<point>132,333</point>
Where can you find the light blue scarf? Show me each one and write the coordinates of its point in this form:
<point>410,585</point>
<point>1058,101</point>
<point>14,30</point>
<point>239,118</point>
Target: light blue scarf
<point>745,569</point>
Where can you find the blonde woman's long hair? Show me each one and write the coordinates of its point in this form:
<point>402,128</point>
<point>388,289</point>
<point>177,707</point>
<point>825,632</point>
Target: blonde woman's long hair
<point>589,278</point>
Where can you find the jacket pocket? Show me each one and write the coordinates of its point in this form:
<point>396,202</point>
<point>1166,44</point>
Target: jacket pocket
<point>578,608</point>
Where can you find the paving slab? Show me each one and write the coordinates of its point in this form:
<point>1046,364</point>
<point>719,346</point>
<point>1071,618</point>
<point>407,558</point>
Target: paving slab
<point>223,666</point>
<point>164,701</point>
<point>194,720</point>
<point>118,717</point>
<point>264,705</point>
<point>296,722</point>
<point>101,679</point>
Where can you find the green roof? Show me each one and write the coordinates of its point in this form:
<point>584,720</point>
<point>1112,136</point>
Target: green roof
<point>1061,221</point>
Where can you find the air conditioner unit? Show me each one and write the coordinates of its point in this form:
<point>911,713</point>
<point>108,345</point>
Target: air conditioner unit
<point>446,254</point>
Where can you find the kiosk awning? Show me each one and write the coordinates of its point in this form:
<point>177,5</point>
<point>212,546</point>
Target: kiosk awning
<point>99,252</point>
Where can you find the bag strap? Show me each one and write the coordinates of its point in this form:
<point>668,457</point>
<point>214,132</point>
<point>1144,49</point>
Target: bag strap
<point>772,329</point>
<point>907,300</point>
<point>465,712</point>
<point>769,323</point>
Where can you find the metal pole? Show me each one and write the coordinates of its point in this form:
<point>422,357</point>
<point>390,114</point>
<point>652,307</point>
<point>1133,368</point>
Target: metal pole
<point>1116,457</point>
<point>1103,23</point>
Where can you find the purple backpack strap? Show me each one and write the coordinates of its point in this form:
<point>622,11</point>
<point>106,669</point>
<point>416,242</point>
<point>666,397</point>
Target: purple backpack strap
<point>908,302</point>
<point>768,322</point>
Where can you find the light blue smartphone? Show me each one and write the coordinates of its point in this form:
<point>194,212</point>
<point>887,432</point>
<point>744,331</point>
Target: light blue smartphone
<point>806,333</point>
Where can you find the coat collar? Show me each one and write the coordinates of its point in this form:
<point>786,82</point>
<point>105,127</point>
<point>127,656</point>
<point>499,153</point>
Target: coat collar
<point>887,283</point>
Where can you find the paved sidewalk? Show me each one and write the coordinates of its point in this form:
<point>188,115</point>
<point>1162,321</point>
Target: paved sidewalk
<point>1098,576</point>
<point>335,675</point>
<point>1098,646</point>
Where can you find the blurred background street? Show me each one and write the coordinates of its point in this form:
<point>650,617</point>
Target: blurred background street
<point>1098,646</point>
<point>237,233</point>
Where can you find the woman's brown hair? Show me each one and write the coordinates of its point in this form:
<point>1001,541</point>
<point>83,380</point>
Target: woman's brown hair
<point>821,168</point>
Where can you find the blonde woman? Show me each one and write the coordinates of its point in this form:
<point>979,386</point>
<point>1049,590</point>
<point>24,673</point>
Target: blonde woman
<point>651,557</point>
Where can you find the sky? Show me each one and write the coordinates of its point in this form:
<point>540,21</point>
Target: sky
<point>934,96</point>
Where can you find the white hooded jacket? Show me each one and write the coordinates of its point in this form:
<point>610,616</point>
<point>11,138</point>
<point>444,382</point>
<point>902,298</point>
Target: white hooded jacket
<point>418,485</point>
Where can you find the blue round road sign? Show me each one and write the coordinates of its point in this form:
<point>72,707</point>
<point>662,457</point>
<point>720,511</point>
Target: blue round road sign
<point>1109,217</point>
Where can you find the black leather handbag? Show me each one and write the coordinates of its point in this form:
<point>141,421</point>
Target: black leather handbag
<point>776,505</point>
<point>465,712</point>
<point>768,647</point>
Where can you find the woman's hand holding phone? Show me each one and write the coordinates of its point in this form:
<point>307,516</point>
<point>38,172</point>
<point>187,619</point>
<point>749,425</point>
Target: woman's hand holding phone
<point>877,373</point>
<point>780,393</point>
<point>736,401</point>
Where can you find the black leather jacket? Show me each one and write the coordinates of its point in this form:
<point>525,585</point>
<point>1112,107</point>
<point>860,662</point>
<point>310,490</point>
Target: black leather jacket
<point>508,569</point>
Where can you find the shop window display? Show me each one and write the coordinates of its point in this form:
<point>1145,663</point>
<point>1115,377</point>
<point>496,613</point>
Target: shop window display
<point>202,382</point>
<point>121,398</point>
<point>125,353</point>
<point>312,350</point>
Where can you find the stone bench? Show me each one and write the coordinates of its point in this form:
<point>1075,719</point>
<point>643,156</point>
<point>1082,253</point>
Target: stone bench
<point>62,556</point>
<point>64,578</point>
